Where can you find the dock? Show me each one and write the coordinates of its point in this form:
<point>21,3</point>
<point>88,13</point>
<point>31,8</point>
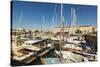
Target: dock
<point>33,57</point>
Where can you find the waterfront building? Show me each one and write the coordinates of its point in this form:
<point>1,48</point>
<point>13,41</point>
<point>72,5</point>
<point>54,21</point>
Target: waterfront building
<point>87,29</point>
<point>75,29</point>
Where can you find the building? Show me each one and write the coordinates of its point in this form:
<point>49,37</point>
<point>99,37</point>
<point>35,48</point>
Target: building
<point>87,29</point>
<point>67,29</point>
<point>75,29</point>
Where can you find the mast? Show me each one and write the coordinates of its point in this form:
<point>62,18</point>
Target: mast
<point>54,17</point>
<point>73,20</point>
<point>74,17</point>
<point>61,32</point>
<point>42,26</point>
<point>19,26</point>
<point>43,22</point>
<point>20,20</point>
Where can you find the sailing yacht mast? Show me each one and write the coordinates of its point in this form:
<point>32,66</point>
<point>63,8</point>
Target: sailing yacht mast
<point>18,28</point>
<point>61,33</point>
<point>42,24</point>
<point>73,19</point>
<point>20,20</point>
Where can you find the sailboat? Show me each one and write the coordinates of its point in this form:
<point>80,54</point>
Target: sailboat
<point>65,53</point>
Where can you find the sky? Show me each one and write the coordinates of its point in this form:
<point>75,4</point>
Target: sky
<point>29,15</point>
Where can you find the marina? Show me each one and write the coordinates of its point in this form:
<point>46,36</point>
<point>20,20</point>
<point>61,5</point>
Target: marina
<point>48,52</point>
<point>60,44</point>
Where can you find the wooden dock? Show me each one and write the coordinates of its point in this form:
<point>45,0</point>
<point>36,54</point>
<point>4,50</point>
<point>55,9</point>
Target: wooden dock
<point>32,58</point>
